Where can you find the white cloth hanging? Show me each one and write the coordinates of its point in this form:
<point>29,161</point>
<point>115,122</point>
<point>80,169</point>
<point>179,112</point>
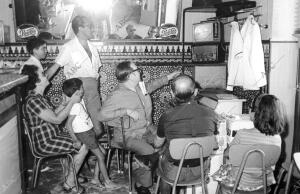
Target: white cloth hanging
<point>246,57</point>
<point>235,56</point>
<point>254,54</point>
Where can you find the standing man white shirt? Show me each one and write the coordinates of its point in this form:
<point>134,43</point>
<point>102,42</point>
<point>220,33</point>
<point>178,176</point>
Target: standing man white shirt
<point>80,59</point>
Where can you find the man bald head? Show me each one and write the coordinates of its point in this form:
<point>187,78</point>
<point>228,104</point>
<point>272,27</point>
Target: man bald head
<point>183,88</point>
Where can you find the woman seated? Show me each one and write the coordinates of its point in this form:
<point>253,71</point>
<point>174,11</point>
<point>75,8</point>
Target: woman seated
<point>269,122</point>
<point>43,121</point>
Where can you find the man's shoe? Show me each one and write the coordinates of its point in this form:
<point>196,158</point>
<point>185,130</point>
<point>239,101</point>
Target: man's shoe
<point>141,190</point>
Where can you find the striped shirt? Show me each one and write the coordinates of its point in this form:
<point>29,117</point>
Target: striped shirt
<point>253,181</point>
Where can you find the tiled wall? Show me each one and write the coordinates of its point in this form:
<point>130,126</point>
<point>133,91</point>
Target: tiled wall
<point>156,59</point>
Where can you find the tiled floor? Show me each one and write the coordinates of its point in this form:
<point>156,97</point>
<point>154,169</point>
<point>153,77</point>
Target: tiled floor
<point>51,180</point>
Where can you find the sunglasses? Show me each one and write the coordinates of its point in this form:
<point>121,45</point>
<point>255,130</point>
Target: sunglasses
<point>138,69</point>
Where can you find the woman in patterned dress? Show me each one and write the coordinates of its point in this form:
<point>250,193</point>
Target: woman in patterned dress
<point>43,120</point>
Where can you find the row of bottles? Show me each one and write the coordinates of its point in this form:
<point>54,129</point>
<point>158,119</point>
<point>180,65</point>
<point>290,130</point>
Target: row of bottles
<point>53,50</point>
<point>145,49</point>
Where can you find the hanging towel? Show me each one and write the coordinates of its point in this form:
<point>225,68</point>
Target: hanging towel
<point>235,57</point>
<point>254,68</point>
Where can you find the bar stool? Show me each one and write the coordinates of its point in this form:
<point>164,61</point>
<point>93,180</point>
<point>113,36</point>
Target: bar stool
<point>112,146</point>
<point>296,160</point>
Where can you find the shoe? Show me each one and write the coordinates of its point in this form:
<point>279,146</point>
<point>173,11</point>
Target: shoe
<point>141,190</point>
<point>97,183</point>
<point>67,188</point>
<point>111,185</point>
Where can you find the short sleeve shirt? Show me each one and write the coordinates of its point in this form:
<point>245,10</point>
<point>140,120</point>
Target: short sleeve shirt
<point>76,61</point>
<point>82,122</point>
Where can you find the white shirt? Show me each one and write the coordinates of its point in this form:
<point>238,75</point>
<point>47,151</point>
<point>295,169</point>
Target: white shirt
<point>76,61</point>
<point>32,61</point>
<point>82,122</point>
<point>246,57</point>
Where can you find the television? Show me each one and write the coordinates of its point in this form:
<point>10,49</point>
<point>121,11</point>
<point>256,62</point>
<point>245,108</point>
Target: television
<point>208,31</point>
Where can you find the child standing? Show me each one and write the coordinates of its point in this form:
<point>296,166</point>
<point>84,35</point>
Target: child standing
<point>82,131</point>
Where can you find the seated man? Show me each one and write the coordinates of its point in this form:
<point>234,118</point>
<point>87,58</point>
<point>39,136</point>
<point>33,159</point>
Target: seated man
<point>131,98</point>
<point>187,119</point>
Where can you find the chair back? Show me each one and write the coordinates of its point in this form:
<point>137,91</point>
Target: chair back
<point>271,155</point>
<point>124,123</point>
<point>253,159</point>
<point>29,136</point>
<point>177,147</point>
<point>191,148</point>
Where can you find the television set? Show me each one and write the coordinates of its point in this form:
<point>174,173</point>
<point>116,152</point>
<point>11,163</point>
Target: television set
<point>208,31</point>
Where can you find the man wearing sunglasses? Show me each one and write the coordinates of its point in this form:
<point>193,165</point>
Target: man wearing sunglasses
<point>131,100</point>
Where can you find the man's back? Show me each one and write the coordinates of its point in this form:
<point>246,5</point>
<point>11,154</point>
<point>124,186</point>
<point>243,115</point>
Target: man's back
<point>187,120</point>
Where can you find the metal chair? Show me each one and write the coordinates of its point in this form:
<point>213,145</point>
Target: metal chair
<point>188,148</point>
<point>115,146</point>
<point>296,160</point>
<point>38,158</point>
<point>253,159</point>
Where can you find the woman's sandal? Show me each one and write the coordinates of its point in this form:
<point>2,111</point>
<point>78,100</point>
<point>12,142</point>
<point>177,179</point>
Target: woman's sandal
<point>112,185</point>
<point>97,183</point>
<point>67,188</point>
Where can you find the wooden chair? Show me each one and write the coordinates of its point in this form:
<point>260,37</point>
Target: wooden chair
<point>39,158</point>
<point>296,160</point>
<point>252,160</point>
<point>188,148</point>
<point>119,147</point>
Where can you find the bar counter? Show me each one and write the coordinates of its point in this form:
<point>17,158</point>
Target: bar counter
<point>11,133</point>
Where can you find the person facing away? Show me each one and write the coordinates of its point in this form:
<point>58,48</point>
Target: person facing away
<point>131,98</point>
<point>80,59</point>
<point>81,130</point>
<point>269,123</point>
<point>186,120</point>
<point>37,48</point>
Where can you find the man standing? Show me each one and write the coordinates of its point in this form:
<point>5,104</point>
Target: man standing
<point>131,98</point>
<point>80,59</point>
<point>187,119</point>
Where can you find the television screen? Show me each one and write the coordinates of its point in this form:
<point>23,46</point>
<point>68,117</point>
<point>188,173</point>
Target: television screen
<point>206,31</point>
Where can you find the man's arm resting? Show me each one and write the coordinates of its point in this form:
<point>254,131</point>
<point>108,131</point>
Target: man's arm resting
<point>110,114</point>
<point>159,141</point>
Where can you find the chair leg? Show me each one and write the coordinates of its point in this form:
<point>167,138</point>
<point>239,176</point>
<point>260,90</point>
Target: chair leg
<point>193,190</point>
<point>173,189</point>
<point>123,160</point>
<point>281,175</point>
<point>33,172</point>
<point>36,171</point>
<point>108,159</point>
<point>218,188</point>
<point>157,185</point>
<point>129,172</point>
<point>74,170</point>
<point>118,161</point>
<point>290,173</point>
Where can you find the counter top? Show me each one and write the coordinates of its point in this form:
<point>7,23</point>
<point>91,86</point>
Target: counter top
<point>10,79</point>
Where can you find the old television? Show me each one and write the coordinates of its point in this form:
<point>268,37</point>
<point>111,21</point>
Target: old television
<point>208,31</point>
